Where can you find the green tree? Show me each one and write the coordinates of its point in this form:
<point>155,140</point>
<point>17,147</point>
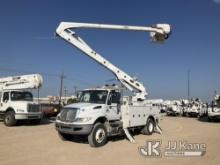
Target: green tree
<point>72,100</point>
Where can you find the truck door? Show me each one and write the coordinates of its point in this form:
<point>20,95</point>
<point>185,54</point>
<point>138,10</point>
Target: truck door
<point>4,101</point>
<point>113,106</point>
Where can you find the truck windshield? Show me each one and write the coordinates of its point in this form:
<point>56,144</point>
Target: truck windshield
<point>94,96</point>
<point>18,96</point>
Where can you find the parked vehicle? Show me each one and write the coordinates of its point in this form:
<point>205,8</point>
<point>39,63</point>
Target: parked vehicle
<point>214,109</point>
<point>104,111</point>
<point>174,108</point>
<point>50,110</point>
<point>194,107</point>
<point>16,102</point>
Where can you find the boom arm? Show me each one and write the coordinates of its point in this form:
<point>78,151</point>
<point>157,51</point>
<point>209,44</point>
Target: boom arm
<point>31,81</point>
<point>159,32</point>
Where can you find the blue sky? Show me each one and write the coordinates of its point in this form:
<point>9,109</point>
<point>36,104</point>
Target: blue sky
<point>27,44</point>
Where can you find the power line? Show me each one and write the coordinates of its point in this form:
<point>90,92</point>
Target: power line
<point>80,81</point>
<point>46,37</point>
<point>61,86</point>
<point>44,73</point>
<point>70,79</point>
<point>27,72</point>
<point>75,90</point>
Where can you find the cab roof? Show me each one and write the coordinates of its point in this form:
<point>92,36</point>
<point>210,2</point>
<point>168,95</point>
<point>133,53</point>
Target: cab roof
<point>106,87</point>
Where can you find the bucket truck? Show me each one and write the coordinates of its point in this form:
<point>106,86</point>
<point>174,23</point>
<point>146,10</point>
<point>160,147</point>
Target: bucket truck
<point>103,112</point>
<point>214,109</point>
<point>16,102</point>
<point>175,108</point>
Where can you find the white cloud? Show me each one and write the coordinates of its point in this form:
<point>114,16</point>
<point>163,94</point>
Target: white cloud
<point>217,1</point>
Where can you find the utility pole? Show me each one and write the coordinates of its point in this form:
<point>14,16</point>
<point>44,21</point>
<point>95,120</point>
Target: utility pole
<point>38,94</point>
<point>65,95</point>
<point>188,83</point>
<point>215,93</point>
<point>75,90</point>
<point>61,87</point>
<point>65,91</point>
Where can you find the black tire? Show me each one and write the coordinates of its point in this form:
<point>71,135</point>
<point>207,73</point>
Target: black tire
<point>149,127</point>
<point>98,136</point>
<point>9,119</point>
<point>64,136</point>
<point>35,121</point>
<point>184,114</point>
<point>187,114</point>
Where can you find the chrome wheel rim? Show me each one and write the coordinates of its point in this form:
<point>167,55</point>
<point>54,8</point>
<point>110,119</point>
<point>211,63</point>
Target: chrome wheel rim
<point>151,127</point>
<point>100,135</point>
<point>7,119</point>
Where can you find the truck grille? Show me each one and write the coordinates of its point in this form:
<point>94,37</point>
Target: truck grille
<point>68,115</point>
<point>33,108</point>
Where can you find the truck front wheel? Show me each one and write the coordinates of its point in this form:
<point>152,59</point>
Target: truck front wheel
<point>98,136</point>
<point>9,119</point>
<point>149,127</point>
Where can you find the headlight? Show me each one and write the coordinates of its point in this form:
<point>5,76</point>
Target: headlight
<point>20,110</point>
<point>82,119</point>
<point>58,117</point>
<point>215,110</point>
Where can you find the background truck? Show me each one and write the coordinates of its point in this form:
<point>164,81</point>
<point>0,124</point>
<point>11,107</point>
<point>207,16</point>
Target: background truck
<point>214,109</point>
<point>16,102</point>
<point>174,108</point>
<point>103,111</point>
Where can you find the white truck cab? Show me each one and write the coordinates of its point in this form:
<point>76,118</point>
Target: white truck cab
<point>101,112</point>
<point>18,105</point>
<point>214,109</point>
<point>97,103</point>
<point>16,102</point>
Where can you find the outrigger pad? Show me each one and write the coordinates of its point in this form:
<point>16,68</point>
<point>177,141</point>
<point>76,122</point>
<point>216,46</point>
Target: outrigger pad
<point>158,129</point>
<point>127,133</point>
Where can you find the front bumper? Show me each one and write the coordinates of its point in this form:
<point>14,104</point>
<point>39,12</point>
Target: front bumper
<point>214,114</point>
<point>28,116</point>
<point>74,129</point>
<point>171,112</point>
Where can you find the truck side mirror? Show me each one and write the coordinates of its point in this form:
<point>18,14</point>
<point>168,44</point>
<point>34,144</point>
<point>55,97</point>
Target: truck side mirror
<point>5,101</point>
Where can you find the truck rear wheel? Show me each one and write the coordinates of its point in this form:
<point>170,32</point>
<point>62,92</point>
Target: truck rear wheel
<point>9,118</point>
<point>149,127</point>
<point>98,136</point>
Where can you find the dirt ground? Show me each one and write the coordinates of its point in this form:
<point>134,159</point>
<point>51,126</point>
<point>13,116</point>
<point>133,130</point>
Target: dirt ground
<point>40,145</point>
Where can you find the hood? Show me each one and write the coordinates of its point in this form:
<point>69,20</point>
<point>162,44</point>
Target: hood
<point>21,104</point>
<point>82,105</point>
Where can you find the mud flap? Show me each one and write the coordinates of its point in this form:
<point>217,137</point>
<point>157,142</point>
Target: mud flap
<point>127,133</point>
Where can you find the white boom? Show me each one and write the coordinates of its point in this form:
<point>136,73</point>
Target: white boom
<point>31,81</point>
<point>158,33</point>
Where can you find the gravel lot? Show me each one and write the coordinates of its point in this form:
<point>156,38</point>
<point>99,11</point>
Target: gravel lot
<point>40,144</point>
